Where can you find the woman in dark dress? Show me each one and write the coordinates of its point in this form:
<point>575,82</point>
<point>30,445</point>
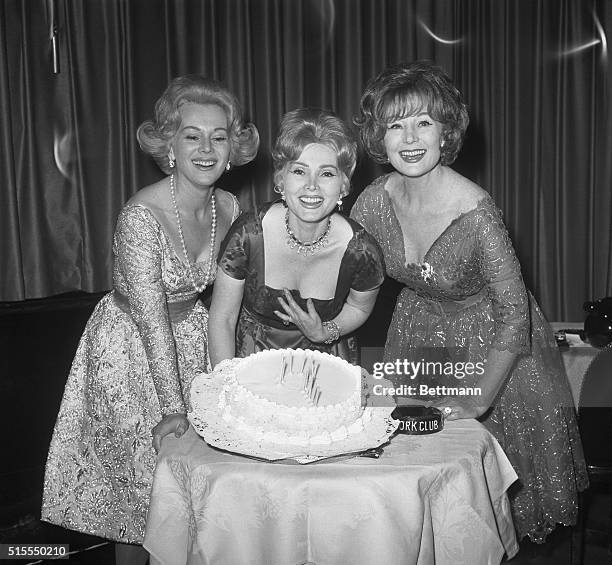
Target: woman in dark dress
<point>464,296</point>
<point>294,273</point>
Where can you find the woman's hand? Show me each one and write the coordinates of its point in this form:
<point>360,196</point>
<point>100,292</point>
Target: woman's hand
<point>454,409</point>
<point>308,322</point>
<point>172,423</point>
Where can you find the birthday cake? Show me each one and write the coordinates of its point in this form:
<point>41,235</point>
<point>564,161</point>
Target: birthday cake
<point>292,397</point>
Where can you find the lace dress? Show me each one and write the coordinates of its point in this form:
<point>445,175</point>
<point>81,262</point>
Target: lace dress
<point>242,257</point>
<point>140,350</point>
<point>468,296</point>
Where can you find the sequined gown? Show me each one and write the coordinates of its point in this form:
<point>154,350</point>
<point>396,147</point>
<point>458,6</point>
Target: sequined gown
<point>241,256</point>
<point>469,296</point>
<point>141,347</point>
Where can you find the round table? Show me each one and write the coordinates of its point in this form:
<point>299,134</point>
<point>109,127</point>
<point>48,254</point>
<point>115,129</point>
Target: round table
<point>435,498</point>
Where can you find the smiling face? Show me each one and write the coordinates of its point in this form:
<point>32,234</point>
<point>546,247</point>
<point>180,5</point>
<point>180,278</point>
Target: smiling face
<point>413,144</point>
<point>201,144</point>
<point>313,183</point>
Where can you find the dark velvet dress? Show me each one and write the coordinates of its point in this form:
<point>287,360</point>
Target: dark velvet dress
<point>241,256</point>
<point>468,296</point>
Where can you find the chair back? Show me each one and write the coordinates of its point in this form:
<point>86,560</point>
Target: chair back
<point>595,410</point>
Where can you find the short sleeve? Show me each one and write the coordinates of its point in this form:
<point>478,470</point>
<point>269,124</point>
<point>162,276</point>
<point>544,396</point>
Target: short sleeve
<point>233,255</point>
<point>367,262</point>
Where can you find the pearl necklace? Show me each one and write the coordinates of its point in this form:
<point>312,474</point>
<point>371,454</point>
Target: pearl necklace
<point>309,247</point>
<point>213,234</point>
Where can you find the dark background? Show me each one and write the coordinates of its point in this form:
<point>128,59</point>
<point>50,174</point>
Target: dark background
<point>535,75</point>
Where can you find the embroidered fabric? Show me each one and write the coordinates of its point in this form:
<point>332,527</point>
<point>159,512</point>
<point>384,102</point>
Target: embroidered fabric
<point>141,348</point>
<point>472,300</point>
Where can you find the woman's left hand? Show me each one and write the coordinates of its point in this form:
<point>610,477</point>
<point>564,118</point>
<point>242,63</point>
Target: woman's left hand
<point>308,322</point>
<point>453,409</point>
<point>177,424</point>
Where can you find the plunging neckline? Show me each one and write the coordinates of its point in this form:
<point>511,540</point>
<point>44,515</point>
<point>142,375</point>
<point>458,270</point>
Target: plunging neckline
<point>418,264</point>
<point>169,244</point>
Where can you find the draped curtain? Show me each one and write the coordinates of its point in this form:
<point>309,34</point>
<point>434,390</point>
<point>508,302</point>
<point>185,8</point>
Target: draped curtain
<point>535,74</point>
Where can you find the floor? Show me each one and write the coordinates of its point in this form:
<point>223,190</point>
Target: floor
<point>33,366</point>
<point>88,550</point>
<point>83,549</point>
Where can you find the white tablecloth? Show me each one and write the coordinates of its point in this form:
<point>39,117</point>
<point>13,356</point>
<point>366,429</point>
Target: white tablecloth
<point>429,499</point>
<point>576,356</point>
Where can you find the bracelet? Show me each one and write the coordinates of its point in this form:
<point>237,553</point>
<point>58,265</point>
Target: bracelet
<point>334,331</point>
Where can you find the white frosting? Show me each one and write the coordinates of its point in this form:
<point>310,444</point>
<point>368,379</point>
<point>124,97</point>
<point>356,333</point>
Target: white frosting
<point>292,397</point>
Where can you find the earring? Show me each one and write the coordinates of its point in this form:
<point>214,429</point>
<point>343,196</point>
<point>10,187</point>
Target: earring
<point>340,204</point>
<point>171,162</point>
<point>228,166</point>
<point>278,189</point>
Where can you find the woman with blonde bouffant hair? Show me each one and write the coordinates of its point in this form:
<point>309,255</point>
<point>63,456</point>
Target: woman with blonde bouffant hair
<point>146,339</point>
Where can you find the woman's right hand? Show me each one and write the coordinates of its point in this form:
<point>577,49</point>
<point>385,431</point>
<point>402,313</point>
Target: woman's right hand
<point>307,321</point>
<point>177,424</point>
<point>454,409</point>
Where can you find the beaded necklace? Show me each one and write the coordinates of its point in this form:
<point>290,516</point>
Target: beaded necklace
<point>308,247</point>
<point>213,234</point>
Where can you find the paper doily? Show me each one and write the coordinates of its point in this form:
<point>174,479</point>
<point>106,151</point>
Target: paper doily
<point>208,423</point>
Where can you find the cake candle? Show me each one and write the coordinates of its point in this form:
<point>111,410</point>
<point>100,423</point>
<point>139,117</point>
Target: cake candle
<point>313,383</point>
<point>283,368</point>
<point>306,359</point>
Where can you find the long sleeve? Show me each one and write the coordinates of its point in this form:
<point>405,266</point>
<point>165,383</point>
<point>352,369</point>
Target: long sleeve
<point>138,257</point>
<point>502,273</point>
<point>367,211</point>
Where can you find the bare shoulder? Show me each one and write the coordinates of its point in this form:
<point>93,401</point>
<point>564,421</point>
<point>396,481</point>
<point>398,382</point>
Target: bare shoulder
<point>152,196</point>
<point>391,183</point>
<point>225,203</point>
<point>466,192</point>
<point>342,225</point>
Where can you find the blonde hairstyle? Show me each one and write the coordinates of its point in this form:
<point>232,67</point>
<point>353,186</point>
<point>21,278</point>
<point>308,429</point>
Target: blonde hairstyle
<point>154,136</point>
<point>304,126</point>
<point>405,90</point>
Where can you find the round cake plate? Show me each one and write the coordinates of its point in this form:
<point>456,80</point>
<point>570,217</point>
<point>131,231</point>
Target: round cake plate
<point>207,421</point>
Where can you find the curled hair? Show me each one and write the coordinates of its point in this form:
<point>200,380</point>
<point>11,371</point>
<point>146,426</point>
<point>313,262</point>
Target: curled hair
<point>304,126</point>
<point>405,90</point>
<point>154,136</point>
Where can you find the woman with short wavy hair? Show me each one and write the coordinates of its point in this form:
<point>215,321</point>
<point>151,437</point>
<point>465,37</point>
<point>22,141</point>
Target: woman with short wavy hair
<point>296,273</point>
<point>464,303</point>
<point>405,90</point>
<point>145,341</point>
<point>305,126</point>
